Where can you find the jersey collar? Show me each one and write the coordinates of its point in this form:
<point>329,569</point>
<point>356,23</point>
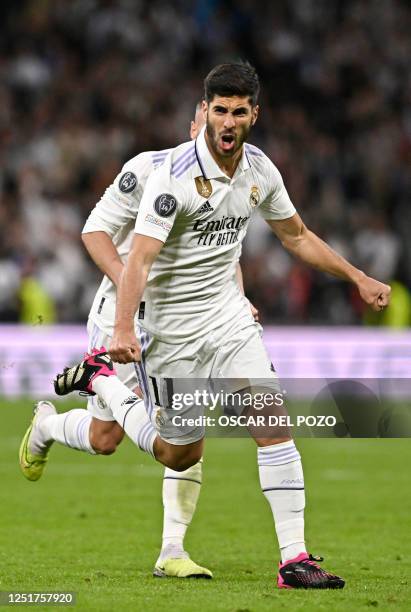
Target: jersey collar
<point>208,165</point>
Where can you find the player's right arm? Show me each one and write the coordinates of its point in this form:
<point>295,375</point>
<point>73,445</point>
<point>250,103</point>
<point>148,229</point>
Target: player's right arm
<point>124,346</point>
<point>157,212</point>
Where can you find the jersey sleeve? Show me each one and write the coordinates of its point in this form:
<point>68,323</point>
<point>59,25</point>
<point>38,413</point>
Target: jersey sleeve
<point>120,201</point>
<point>163,199</point>
<point>277,204</point>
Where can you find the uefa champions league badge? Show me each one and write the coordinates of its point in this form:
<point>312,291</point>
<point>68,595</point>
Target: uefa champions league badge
<point>254,196</point>
<point>165,205</point>
<point>127,183</point>
<point>204,187</point>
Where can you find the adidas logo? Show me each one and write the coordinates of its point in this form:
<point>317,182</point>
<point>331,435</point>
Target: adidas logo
<point>205,208</point>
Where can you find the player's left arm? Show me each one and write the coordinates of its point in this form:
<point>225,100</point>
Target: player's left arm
<point>307,246</point>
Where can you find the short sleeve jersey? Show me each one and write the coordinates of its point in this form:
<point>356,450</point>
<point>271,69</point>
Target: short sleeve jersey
<point>201,216</point>
<point>115,214</point>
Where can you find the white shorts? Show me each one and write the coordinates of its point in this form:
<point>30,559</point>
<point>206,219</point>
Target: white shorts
<point>235,352</point>
<point>128,373</point>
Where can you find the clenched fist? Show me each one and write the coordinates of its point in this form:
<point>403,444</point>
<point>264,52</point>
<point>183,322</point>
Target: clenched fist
<point>374,293</point>
<point>124,347</point>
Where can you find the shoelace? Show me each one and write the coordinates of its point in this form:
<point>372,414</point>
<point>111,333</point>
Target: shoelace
<point>315,560</point>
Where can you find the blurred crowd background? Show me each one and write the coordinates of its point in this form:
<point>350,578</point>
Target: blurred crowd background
<point>87,84</point>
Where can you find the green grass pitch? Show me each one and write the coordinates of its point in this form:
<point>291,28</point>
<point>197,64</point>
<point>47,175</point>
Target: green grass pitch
<point>93,525</point>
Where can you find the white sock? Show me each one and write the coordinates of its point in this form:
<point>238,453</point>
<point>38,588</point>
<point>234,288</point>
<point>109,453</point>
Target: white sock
<point>282,482</point>
<point>180,495</point>
<point>128,410</point>
<point>70,428</point>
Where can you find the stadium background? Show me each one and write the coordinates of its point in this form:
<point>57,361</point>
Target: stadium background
<point>87,84</point>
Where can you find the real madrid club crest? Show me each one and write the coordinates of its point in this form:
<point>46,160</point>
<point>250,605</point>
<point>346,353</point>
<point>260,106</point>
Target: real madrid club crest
<point>160,421</point>
<point>204,187</point>
<point>101,403</point>
<point>254,196</point>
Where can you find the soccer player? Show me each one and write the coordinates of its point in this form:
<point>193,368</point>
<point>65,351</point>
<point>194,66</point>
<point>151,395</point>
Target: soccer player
<point>107,236</point>
<point>192,219</point>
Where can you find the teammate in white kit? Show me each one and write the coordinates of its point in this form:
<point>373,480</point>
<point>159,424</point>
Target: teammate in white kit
<point>192,218</point>
<point>107,236</point>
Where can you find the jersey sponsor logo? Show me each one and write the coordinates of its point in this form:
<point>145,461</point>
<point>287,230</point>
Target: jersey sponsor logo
<point>165,204</point>
<point>164,224</point>
<point>204,186</point>
<point>254,196</point>
<point>127,182</point>
<point>219,232</point>
<point>217,225</point>
<point>205,208</point>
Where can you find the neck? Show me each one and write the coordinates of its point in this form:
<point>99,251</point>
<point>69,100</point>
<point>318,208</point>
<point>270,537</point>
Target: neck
<point>227,164</point>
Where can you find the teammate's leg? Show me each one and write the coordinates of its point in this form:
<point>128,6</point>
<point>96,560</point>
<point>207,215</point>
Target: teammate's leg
<point>181,488</point>
<point>93,431</point>
<point>181,491</point>
<point>105,436</point>
<point>182,479</point>
<point>76,429</point>
<point>71,428</point>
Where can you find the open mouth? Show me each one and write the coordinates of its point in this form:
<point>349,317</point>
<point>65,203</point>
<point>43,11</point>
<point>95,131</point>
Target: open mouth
<point>227,142</point>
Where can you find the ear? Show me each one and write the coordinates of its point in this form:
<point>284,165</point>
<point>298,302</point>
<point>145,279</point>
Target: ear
<point>193,130</point>
<point>254,114</point>
<point>204,108</point>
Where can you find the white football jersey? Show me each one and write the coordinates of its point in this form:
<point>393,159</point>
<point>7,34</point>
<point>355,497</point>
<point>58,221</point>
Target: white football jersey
<point>116,214</point>
<point>201,216</point>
